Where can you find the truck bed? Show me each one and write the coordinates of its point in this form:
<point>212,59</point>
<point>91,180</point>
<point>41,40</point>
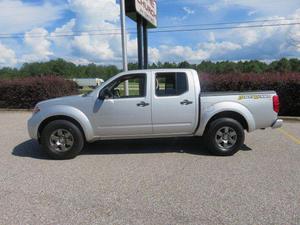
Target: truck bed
<point>226,93</point>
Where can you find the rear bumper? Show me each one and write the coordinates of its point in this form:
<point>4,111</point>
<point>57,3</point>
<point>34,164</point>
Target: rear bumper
<point>277,124</point>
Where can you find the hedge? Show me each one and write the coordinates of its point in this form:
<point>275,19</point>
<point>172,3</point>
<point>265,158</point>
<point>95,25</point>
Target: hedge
<point>286,85</point>
<point>24,93</point>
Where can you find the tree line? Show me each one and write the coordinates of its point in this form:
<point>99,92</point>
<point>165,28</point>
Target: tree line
<point>66,69</point>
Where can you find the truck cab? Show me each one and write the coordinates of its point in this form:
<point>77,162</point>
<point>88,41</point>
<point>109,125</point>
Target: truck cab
<point>158,103</point>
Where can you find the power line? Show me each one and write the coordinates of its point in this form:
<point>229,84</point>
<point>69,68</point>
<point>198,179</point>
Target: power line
<point>230,23</point>
<point>156,31</point>
<point>165,2</point>
<point>227,28</point>
<point>228,2</point>
<point>161,27</point>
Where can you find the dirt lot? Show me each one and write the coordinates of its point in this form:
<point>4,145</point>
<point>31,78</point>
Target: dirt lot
<point>150,182</point>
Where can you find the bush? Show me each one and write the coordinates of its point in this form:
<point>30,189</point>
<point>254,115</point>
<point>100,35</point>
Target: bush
<point>286,85</point>
<point>24,93</point>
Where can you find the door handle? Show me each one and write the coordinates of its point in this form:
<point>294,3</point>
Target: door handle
<point>142,104</point>
<point>186,102</point>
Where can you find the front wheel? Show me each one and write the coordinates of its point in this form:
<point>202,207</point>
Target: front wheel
<point>62,139</point>
<point>225,136</point>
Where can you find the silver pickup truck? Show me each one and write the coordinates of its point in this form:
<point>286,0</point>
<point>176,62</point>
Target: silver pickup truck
<point>156,104</point>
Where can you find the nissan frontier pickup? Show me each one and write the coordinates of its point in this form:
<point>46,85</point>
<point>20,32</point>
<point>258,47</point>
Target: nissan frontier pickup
<point>158,103</point>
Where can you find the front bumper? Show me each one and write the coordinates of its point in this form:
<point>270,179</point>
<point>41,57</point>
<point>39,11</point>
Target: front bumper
<point>277,124</point>
<point>32,126</point>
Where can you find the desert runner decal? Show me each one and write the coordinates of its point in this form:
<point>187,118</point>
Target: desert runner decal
<point>244,97</point>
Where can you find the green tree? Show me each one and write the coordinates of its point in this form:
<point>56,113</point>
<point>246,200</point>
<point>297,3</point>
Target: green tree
<point>282,65</point>
<point>7,72</point>
<point>295,65</point>
<point>60,67</point>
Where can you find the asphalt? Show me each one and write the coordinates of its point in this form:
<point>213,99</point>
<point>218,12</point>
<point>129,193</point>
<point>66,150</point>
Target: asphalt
<point>173,181</point>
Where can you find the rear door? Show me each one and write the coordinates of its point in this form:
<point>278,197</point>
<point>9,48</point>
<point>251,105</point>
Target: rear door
<point>173,103</point>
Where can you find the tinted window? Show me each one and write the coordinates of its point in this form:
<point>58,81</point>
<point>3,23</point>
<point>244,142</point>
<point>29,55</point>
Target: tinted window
<point>136,85</point>
<point>171,84</point>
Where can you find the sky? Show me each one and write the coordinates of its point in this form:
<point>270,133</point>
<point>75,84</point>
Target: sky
<point>86,31</point>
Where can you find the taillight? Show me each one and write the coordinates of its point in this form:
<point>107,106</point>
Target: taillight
<point>276,103</point>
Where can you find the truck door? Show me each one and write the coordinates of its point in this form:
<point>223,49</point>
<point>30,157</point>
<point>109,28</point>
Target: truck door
<point>173,103</point>
<point>125,115</point>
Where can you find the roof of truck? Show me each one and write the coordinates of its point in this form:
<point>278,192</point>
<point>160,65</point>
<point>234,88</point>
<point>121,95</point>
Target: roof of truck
<point>159,70</point>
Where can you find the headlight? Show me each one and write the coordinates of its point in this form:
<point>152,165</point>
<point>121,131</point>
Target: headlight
<point>36,110</point>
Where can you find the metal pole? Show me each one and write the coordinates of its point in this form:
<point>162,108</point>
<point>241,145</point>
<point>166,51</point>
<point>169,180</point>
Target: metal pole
<point>140,41</point>
<point>124,43</point>
<point>145,37</point>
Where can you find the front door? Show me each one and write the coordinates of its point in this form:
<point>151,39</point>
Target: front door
<point>125,114</point>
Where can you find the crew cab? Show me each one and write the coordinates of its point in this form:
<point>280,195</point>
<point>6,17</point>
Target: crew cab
<point>152,104</point>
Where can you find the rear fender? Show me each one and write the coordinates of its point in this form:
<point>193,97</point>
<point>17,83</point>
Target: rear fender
<point>211,111</point>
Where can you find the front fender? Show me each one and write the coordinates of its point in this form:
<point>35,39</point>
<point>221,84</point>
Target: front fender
<point>212,110</point>
<point>61,110</point>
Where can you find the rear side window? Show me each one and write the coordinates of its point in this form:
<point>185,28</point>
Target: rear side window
<point>170,84</point>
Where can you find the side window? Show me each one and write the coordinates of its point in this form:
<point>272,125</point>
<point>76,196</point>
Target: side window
<point>136,86</point>
<point>170,84</point>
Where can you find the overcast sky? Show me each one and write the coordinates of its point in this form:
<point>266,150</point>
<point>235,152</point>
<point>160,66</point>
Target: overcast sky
<point>40,30</point>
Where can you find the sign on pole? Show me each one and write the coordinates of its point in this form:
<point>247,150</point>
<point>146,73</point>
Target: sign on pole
<point>147,9</point>
<point>144,13</point>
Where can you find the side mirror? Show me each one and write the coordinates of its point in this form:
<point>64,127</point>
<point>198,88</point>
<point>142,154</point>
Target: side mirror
<point>101,96</point>
<point>105,94</point>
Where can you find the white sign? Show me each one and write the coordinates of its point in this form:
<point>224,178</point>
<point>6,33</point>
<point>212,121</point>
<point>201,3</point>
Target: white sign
<point>148,10</point>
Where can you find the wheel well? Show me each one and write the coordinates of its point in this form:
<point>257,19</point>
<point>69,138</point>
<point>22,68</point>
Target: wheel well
<point>230,114</point>
<point>53,118</point>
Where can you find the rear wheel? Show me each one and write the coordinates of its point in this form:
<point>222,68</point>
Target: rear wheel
<point>62,139</point>
<point>225,136</point>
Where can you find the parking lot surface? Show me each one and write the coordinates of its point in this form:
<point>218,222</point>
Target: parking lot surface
<point>173,181</point>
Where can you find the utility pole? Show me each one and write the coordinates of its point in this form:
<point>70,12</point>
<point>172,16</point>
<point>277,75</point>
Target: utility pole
<point>140,40</point>
<point>124,43</point>
<point>145,43</point>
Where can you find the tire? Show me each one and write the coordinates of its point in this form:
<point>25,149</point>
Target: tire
<point>225,137</point>
<point>62,139</point>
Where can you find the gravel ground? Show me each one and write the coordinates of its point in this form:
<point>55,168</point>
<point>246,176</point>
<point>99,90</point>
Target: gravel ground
<point>149,182</point>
